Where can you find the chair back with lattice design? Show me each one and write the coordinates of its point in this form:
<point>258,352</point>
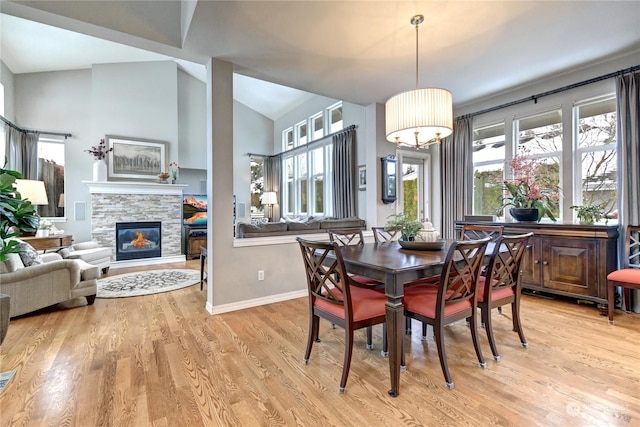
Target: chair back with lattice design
<point>381,234</point>
<point>323,265</point>
<point>504,266</point>
<point>346,237</point>
<point>632,247</point>
<point>460,272</point>
<point>475,232</point>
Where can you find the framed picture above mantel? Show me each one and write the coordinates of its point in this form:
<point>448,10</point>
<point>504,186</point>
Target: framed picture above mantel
<point>136,158</point>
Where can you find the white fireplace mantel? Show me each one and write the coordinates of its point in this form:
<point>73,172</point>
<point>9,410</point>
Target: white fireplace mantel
<point>132,187</point>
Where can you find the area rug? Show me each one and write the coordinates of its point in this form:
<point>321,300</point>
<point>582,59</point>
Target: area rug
<point>146,283</point>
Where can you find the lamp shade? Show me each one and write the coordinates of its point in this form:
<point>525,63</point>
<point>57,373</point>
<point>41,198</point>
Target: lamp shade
<point>32,190</point>
<point>269,198</point>
<point>419,117</point>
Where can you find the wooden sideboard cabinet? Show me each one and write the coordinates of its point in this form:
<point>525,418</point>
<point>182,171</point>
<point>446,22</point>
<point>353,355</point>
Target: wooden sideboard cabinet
<point>194,236</point>
<point>566,259</point>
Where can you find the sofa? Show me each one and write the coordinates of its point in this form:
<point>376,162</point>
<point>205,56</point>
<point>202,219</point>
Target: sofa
<point>56,280</point>
<point>298,226</point>
<point>89,252</point>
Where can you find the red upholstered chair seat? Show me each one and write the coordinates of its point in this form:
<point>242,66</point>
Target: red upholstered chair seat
<point>423,301</point>
<point>629,275</point>
<point>365,303</point>
<point>497,294</point>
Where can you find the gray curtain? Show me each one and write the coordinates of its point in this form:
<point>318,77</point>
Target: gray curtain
<point>455,161</point>
<point>273,182</point>
<point>22,152</point>
<point>344,168</point>
<point>628,107</point>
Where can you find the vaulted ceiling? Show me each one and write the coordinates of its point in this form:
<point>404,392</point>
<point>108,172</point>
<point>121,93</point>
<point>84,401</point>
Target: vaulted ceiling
<point>358,51</point>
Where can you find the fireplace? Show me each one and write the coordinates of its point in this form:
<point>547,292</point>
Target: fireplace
<point>136,240</point>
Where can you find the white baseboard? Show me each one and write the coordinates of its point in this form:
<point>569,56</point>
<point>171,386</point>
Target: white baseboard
<point>147,261</point>
<point>240,305</point>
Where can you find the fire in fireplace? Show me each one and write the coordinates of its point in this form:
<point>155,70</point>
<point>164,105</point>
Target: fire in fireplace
<point>136,240</point>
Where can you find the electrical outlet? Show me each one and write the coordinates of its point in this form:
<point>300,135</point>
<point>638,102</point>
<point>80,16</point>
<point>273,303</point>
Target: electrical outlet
<point>260,274</point>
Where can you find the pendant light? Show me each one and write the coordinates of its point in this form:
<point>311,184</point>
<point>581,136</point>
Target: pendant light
<point>419,117</point>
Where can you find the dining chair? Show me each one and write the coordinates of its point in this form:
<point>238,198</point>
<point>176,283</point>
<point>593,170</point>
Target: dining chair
<point>350,238</point>
<point>502,284</point>
<point>454,298</point>
<point>628,277</point>
<point>337,298</point>
<point>475,232</point>
<point>381,234</point>
<point>355,237</point>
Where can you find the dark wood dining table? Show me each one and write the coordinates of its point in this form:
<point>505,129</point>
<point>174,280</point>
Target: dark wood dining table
<point>389,263</point>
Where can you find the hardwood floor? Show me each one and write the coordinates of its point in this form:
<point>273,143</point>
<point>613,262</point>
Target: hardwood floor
<point>162,360</point>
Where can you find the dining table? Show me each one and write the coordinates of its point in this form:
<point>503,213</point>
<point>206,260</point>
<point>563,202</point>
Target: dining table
<point>393,265</point>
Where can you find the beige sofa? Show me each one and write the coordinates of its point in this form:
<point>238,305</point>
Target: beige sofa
<point>39,286</point>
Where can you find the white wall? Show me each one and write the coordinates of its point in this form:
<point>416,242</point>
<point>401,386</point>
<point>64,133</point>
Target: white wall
<point>252,133</point>
<point>7,80</point>
<point>192,132</point>
<point>137,100</point>
<point>61,101</point>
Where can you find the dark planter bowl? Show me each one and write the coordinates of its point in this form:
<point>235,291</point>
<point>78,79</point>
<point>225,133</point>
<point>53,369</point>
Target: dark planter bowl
<point>525,214</point>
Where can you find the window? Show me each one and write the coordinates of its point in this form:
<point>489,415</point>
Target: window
<point>335,118</point>
<point>307,174</point>
<point>287,138</point>
<point>257,187</point>
<point>301,133</point>
<point>317,127</point>
<point>596,159</point>
<point>51,171</point>
<point>540,137</point>
<point>488,155</point>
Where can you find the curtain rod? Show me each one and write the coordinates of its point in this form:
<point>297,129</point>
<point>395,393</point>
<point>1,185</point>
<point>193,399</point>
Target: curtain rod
<point>41,132</point>
<point>348,128</point>
<point>534,98</point>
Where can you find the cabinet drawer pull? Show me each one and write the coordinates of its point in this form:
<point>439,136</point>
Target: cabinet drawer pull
<point>536,262</point>
<point>545,263</point>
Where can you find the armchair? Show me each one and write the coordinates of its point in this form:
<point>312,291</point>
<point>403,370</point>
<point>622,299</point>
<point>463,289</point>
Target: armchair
<point>39,286</point>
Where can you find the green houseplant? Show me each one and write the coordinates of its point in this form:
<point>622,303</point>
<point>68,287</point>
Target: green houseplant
<point>408,227</point>
<point>16,215</point>
<point>589,214</point>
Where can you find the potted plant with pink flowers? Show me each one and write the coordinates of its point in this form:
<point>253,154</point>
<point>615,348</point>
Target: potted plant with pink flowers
<point>533,192</point>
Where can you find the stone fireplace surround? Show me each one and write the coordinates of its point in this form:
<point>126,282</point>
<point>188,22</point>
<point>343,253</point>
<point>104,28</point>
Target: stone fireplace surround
<point>113,202</point>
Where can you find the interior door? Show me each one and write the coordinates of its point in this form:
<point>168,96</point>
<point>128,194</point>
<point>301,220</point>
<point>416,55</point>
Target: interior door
<point>413,188</point>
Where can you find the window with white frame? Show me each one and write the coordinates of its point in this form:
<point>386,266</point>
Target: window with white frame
<point>596,156</point>
<point>307,173</point>
<point>488,154</point>
<point>335,117</point>
<point>539,137</point>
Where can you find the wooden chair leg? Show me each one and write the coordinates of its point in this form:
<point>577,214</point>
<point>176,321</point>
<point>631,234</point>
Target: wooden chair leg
<point>486,320</point>
<point>517,324</point>
<point>610,300</point>
<point>627,299</point>
<point>476,342</point>
<point>348,349</point>
<point>442,355</point>
<point>314,322</point>
<point>385,341</point>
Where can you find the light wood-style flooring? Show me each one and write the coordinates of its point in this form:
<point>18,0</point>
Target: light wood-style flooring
<point>162,360</point>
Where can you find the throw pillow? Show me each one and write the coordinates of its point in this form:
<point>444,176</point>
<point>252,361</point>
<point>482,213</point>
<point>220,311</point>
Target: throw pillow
<point>28,254</point>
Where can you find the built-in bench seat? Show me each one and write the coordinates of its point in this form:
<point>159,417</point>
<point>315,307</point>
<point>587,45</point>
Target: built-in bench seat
<point>283,228</point>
